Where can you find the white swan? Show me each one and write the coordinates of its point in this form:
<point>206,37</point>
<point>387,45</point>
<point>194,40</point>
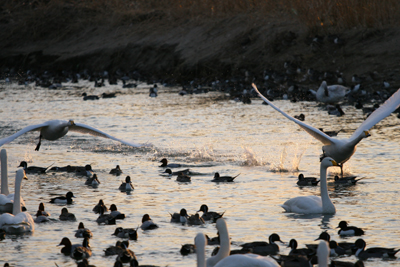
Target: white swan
<point>323,251</point>
<point>222,259</point>
<point>6,199</point>
<point>55,129</point>
<point>342,150</point>
<point>314,204</point>
<point>19,222</point>
<point>331,93</point>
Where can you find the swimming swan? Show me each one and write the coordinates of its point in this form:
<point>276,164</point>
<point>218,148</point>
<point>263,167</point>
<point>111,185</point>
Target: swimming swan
<point>222,258</point>
<point>342,150</point>
<point>19,222</point>
<point>314,204</point>
<point>6,199</point>
<point>55,129</point>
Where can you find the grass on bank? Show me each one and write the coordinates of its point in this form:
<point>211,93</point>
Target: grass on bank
<point>317,15</point>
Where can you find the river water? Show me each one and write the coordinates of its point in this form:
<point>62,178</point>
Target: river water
<point>206,133</point>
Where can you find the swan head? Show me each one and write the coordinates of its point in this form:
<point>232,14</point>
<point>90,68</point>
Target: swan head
<point>71,122</point>
<point>327,161</point>
<point>366,134</point>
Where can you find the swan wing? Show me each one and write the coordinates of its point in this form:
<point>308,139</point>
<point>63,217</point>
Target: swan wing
<point>303,205</point>
<point>382,112</point>
<point>247,260</point>
<point>314,132</point>
<point>83,128</point>
<point>36,127</point>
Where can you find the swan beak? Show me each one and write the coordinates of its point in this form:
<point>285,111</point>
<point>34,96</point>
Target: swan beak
<point>72,122</point>
<point>25,178</point>
<point>334,163</point>
<point>367,133</point>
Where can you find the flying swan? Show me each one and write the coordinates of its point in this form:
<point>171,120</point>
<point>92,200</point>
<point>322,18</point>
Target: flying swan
<point>342,150</point>
<point>55,129</point>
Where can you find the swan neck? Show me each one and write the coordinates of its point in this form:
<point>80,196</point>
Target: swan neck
<point>17,193</point>
<point>225,244</point>
<point>4,172</point>
<point>201,252</point>
<point>327,205</point>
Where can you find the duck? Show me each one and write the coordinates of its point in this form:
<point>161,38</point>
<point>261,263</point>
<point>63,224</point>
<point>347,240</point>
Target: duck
<point>218,178</point>
<point>116,171</point>
<point>92,181</point>
<point>116,213</point>
<point>336,248</point>
<point>96,208</point>
<point>66,215</point>
<point>84,263</point>
<point>336,263</point>
<point>105,218</point>
<point>127,256</point>
<point>330,133</point>
<point>118,248</point>
<point>130,233</point>
<point>64,200</point>
<point>183,178</point>
<point>307,180</point>
<point>264,248</point>
<point>299,251</point>
<point>82,252</point>
<point>180,217</point>
<point>18,222</point>
<point>32,169</point>
<point>2,234</point>
<point>330,94</point>
<point>346,230</point>
<point>153,91</point>
<point>184,172</point>
<point>83,232</point>
<point>76,251</point>
<point>195,220</point>
<point>55,129</point>
<point>222,258</point>
<point>335,110</point>
<point>187,249</point>
<point>164,162</point>
<point>346,180</point>
<point>209,215</point>
<point>41,214</point>
<point>147,223</point>
<point>127,186</point>
<point>314,204</point>
<point>108,95</point>
<point>6,199</point>
<point>90,97</point>
<point>300,117</point>
<point>86,171</point>
<point>341,150</point>
<point>375,252</point>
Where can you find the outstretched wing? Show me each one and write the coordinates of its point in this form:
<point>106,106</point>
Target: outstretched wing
<point>382,112</point>
<point>10,138</point>
<point>83,128</point>
<point>314,132</point>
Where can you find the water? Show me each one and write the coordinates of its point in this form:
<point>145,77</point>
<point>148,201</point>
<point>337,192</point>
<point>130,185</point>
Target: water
<point>206,133</point>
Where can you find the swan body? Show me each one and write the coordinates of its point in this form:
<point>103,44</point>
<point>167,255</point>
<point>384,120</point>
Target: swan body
<point>18,222</point>
<point>331,93</point>
<point>314,204</point>
<point>342,150</point>
<point>55,129</point>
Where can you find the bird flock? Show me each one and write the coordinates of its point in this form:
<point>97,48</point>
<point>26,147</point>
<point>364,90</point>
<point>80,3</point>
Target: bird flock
<point>335,152</point>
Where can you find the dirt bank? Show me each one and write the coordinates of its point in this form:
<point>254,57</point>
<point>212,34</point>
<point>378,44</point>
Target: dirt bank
<point>220,47</point>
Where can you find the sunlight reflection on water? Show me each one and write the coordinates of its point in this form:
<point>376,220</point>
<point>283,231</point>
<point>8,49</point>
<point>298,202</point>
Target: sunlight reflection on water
<point>206,134</point>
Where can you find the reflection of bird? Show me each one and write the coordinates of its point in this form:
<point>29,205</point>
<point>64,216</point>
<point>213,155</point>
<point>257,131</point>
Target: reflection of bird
<point>218,178</point>
<point>346,180</point>
<point>314,204</point>
<point>18,222</point>
<point>342,150</point>
<point>55,129</point>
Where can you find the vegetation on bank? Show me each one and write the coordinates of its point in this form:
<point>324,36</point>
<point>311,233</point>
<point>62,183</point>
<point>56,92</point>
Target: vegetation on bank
<point>40,17</point>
